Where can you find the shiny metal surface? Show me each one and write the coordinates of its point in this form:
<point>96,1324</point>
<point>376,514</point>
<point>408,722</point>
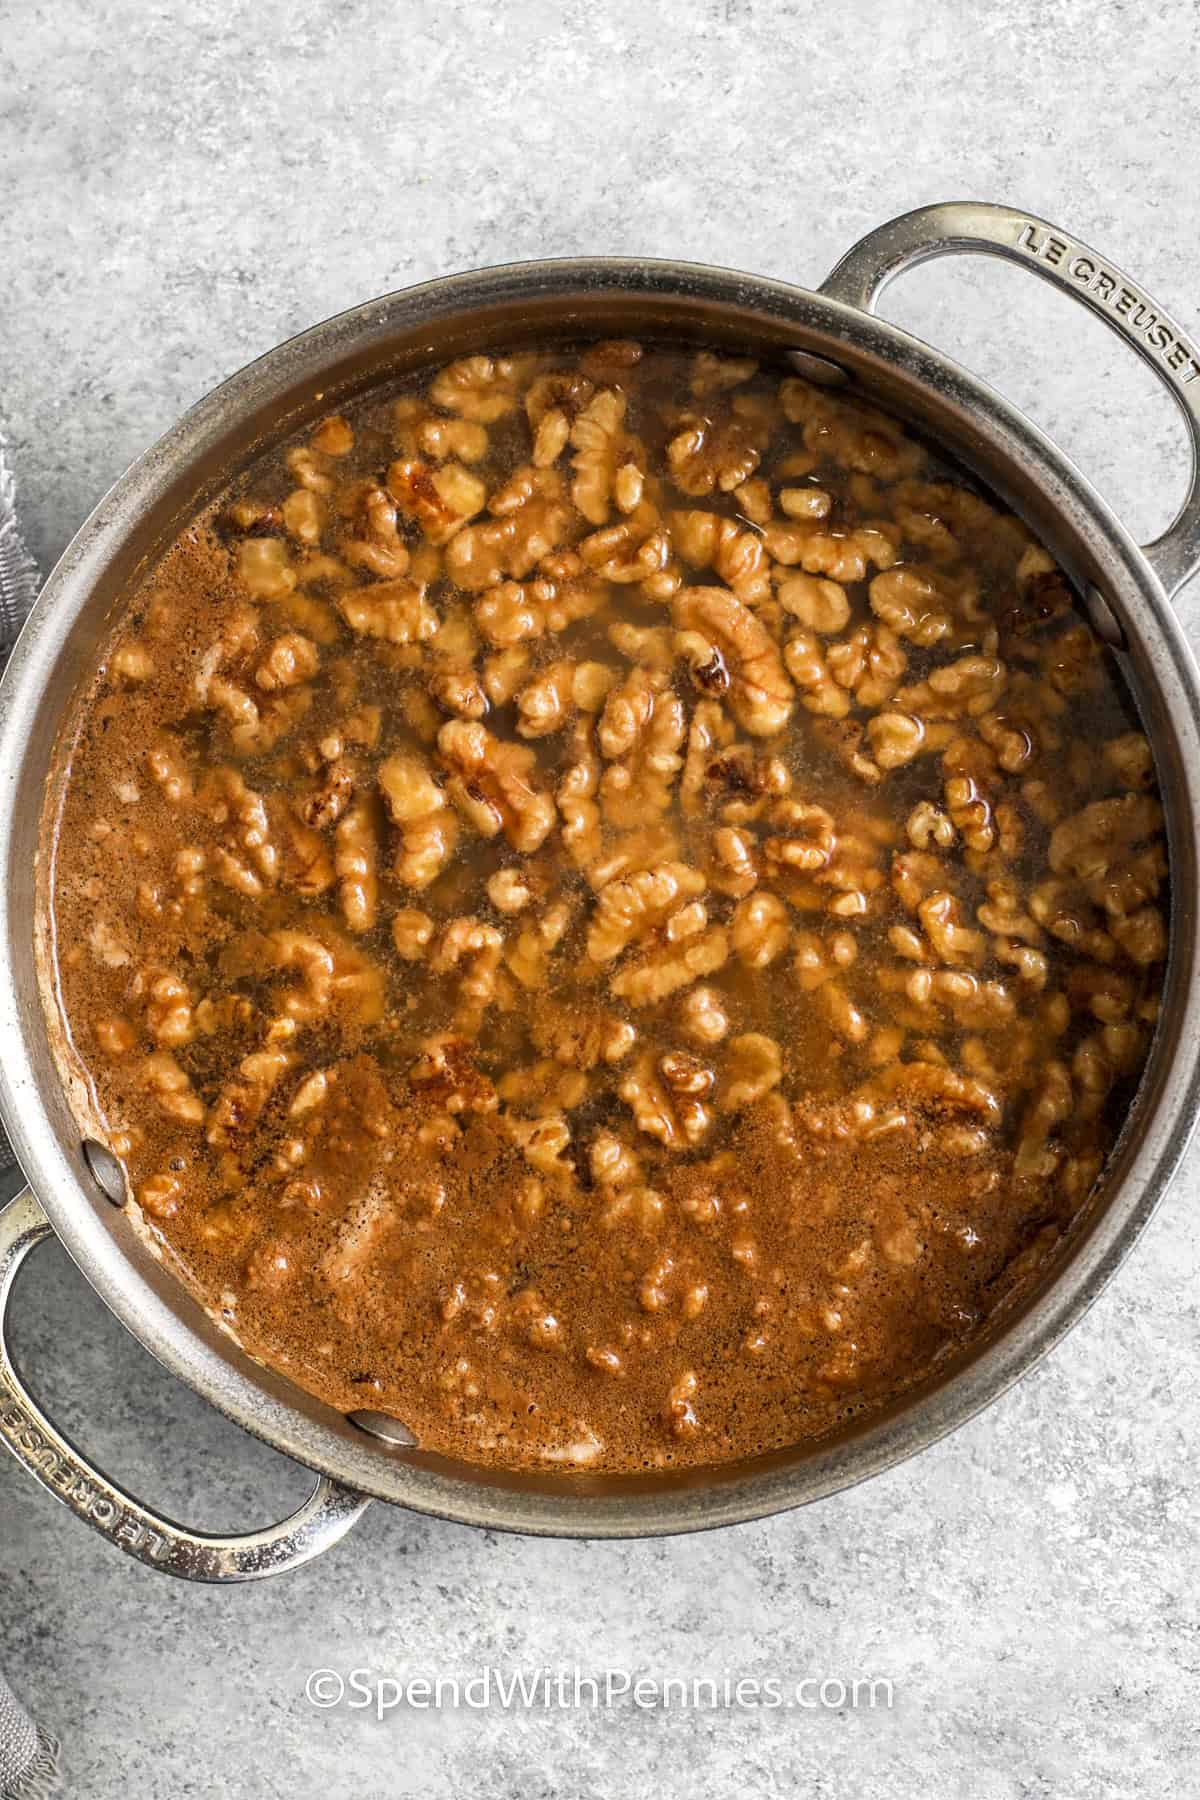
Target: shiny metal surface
<point>972,227</point>
<point>326,1515</point>
<point>536,302</point>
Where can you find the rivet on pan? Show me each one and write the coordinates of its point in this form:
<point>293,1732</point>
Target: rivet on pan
<point>817,369</point>
<point>105,1170</point>
<point>1103,619</point>
<point>379,1425</point>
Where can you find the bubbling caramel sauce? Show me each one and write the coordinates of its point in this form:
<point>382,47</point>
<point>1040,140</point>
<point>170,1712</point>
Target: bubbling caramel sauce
<point>609,907</point>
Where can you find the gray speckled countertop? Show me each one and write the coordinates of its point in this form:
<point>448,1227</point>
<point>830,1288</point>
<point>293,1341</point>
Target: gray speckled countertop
<point>186,185</point>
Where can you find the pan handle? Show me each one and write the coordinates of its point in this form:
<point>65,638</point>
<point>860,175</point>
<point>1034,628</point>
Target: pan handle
<point>325,1517</point>
<point>975,227</point>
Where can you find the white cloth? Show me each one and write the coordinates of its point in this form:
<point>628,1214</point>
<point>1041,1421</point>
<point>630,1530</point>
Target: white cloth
<point>28,1758</point>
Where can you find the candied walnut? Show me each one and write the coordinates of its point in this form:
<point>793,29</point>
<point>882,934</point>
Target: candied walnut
<point>327,801</point>
<point>582,1037</point>
<point>562,593</point>
<point>396,611</point>
<point>710,731</point>
<point>547,702</point>
<point>529,957</point>
<point>760,694</point>
<point>1051,1107</point>
<point>264,568</point>
<point>1131,760</point>
<point>172,1089</point>
<point>969,769</point>
<point>495,786</point>
<point>733,868</point>
<point>896,738</point>
<point>308,864</point>
<point>609,463</point>
<point>805,503</point>
<point>418,806</point>
<point>850,434</point>
<point>115,1036</point>
<point>169,1015</point>
<point>1071,660</point>
<point>679,1411</point>
<point>705,454</point>
<point>896,1234</point>
<point>132,662</point>
<point>968,687</point>
<point>713,374</point>
<point>820,959</point>
<point>650,646</point>
<point>161,1194</point>
<point>503,674</point>
<point>1012,744</point>
<point>707,541</point>
<point>841,556</point>
<point>641,848</point>
<point>820,606</point>
<point>440,500</point>
<point>289,659</point>
<point>689,953</point>
<point>759,930</point>
<point>703,1016</point>
<point>576,797</point>
<point>356,862</point>
<point>226,798</point>
<point>453,680</point>
<point>446,1076</point>
<point>628,909</point>
<point>532,521</point>
<point>938,1088</point>
<point>753,1066</point>
<point>412,933</point>
<point>333,436</point>
<point>843,1016</point>
<point>807,664</point>
<point>544,1084</point>
<point>479,388</point>
<point>910,603</point>
<point>468,940</point>
<point>166,763</point>
<point>422,433</point>
<point>636,550</point>
<point>754,501</point>
<point>509,891</point>
<point>806,838</point>
<point>510,613</point>
<point>870,664</point>
<point>545,1142</point>
<point>640,731</point>
<point>954,942</point>
<point>1142,935</point>
<point>927,824</point>
<point>669,1110</point>
<point>304,516</point>
<point>311,468</point>
<point>565,391</point>
<point>370,537</point>
<point>1088,842</point>
<point>1003,913</point>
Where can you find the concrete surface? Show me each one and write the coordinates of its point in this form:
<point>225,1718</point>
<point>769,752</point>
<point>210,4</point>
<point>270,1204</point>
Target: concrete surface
<point>182,187</point>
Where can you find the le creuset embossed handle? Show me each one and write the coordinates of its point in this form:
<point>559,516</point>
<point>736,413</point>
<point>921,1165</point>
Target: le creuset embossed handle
<point>976,227</point>
<point>325,1517</point>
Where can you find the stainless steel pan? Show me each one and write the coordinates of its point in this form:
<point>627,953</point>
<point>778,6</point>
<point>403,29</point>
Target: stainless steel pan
<point>833,336</point>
